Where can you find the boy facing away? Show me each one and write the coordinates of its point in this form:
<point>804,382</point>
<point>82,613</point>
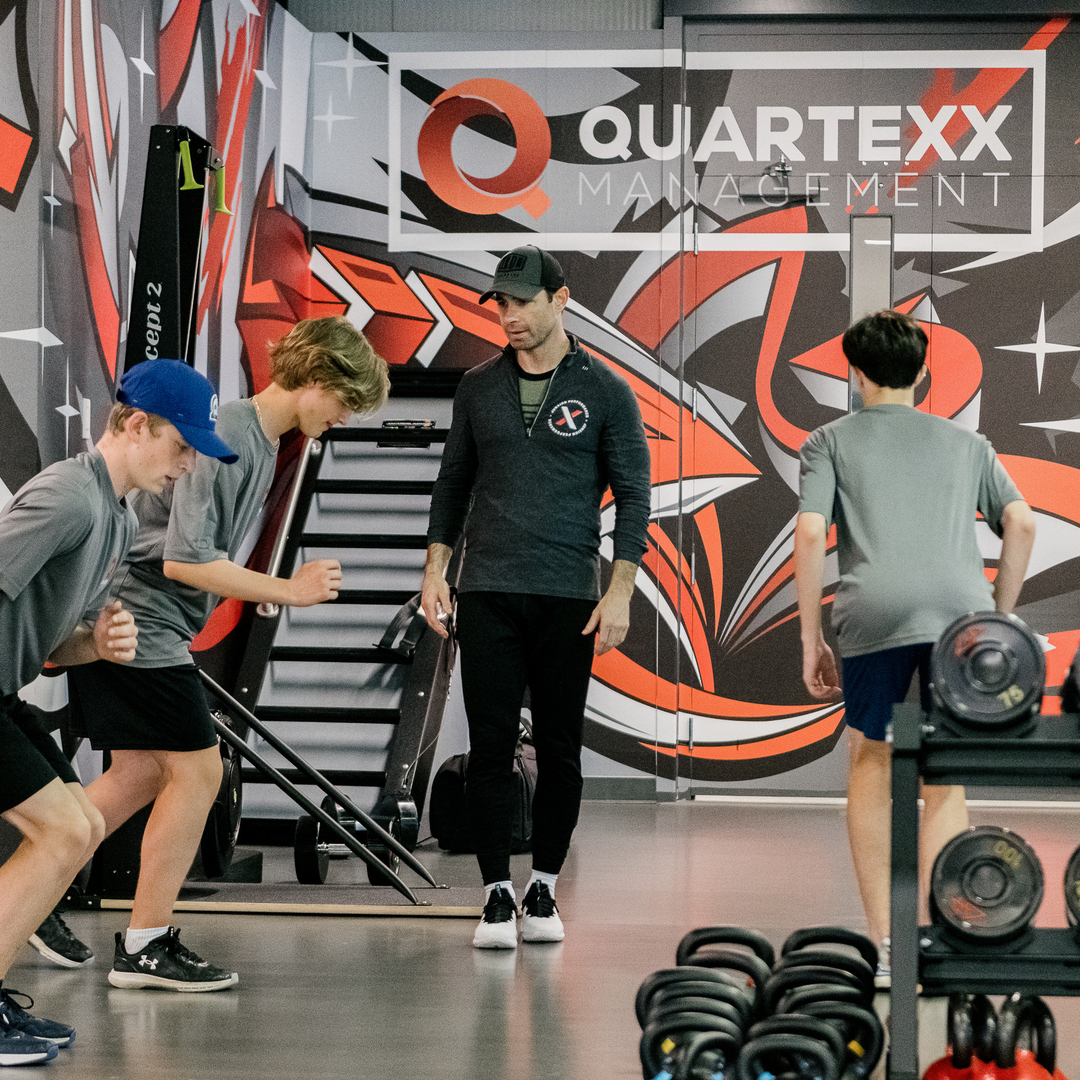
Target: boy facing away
<point>152,715</point>
<point>62,537</point>
<point>903,488</point>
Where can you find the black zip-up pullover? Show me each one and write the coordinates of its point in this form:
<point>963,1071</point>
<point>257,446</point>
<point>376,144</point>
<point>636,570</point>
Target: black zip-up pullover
<point>534,522</point>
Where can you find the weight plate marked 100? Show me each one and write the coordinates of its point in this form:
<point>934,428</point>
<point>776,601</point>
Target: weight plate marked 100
<point>988,671</point>
<point>986,885</point>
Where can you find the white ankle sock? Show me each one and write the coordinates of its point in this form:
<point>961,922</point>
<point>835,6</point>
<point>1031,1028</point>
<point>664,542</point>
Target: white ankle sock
<point>139,939</point>
<point>548,879</point>
<point>506,886</point>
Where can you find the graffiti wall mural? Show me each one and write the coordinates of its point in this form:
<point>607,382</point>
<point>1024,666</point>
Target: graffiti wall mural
<point>699,200</point>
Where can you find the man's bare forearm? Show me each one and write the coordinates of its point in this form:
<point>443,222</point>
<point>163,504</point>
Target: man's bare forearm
<point>623,576</point>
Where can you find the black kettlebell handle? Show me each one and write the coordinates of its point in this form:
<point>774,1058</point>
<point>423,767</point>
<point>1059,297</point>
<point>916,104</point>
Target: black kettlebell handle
<point>984,1019</point>
<point>1023,1015</point>
<point>725,935</point>
<point>960,1031</point>
<point>669,1006</point>
<point>656,1033</point>
<point>698,1045</point>
<point>801,1024</point>
<point>866,1019</point>
<point>747,1067</point>
<point>722,989</point>
<point>854,965</point>
<point>734,960</point>
<point>795,1000</point>
<point>832,935</point>
<point>788,978</point>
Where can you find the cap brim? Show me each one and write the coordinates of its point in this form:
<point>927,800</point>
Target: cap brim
<point>521,291</point>
<point>206,442</point>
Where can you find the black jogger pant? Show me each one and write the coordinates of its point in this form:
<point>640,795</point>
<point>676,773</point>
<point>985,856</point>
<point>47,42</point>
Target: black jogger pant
<point>509,641</point>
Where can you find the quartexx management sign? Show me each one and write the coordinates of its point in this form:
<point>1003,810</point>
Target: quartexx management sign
<point>574,147</point>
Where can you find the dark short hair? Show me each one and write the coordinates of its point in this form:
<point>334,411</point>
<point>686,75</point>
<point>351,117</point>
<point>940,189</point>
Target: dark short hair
<point>889,348</point>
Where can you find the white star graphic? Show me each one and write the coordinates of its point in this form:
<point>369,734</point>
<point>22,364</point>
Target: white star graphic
<point>329,117</point>
<point>1040,347</point>
<point>350,64</point>
<point>141,66</point>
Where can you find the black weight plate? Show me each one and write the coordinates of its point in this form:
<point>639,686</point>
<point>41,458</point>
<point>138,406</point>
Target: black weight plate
<point>1070,688</point>
<point>986,885</point>
<point>310,863</point>
<point>1072,889</point>
<point>988,671</point>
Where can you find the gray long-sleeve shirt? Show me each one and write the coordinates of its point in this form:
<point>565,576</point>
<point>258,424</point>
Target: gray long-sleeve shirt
<point>529,499</point>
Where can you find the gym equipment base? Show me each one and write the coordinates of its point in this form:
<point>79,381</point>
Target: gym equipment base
<point>1043,961</point>
<point>243,898</point>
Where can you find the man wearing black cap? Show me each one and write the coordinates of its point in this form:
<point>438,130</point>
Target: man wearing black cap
<point>62,537</point>
<point>153,716</point>
<point>538,435</point>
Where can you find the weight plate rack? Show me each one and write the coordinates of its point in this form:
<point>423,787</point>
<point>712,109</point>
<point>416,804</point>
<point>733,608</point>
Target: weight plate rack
<point>1039,961</point>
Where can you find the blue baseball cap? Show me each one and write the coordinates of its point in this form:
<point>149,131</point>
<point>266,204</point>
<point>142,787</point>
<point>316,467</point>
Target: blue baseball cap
<point>176,391</point>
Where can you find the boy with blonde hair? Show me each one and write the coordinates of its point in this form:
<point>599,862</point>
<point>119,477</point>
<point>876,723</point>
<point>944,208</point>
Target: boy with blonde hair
<point>153,716</point>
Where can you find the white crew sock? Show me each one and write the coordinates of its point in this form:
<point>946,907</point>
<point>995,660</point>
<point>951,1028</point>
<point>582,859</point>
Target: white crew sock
<point>548,879</point>
<point>506,886</point>
<point>139,939</point>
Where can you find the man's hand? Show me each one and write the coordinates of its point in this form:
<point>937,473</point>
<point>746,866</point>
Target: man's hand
<point>611,620</point>
<point>819,671</point>
<point>611,617</point>
<point>436,602</point>
<point>115,634</point>
<point>435,598</point>
<point>315,583</point>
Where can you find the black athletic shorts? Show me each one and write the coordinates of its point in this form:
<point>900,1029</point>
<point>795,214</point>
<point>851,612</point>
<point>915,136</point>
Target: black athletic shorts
<point>127,708</point>
<point>29,756</point>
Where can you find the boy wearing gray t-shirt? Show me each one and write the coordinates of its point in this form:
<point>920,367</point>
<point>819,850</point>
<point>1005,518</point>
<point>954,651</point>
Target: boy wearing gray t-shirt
<point>903,488</point>
<point>62,537</point>
<point>152,716</point>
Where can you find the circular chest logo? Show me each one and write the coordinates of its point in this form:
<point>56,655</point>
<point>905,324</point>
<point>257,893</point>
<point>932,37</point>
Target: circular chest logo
<point>568,418</point>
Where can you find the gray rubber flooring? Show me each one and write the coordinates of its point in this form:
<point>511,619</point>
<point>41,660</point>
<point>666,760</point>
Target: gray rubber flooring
<point>386,998</point>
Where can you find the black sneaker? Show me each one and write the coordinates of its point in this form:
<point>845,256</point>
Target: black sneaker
<point>165,964</point>
<point>19,1049</point>
<point>55,941</point>
<point>15,1019</point>
<point>541,922</point>
<point>498,927</point>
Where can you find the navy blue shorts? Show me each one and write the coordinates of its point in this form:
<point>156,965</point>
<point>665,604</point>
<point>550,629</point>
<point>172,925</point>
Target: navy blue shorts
<point>875,682</point>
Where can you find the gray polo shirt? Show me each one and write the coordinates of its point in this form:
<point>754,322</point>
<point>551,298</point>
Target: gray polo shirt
<point>203,518</point>
<point>61,539</point>
<point>903,488</point>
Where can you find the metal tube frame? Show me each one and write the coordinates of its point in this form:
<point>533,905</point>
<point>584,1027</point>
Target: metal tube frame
<point>322,783</point>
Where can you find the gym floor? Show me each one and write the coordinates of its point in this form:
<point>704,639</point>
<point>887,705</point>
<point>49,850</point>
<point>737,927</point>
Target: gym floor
<point>406,998</point>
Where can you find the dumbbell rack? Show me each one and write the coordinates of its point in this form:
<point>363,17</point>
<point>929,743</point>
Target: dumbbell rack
<point>1041,961</point>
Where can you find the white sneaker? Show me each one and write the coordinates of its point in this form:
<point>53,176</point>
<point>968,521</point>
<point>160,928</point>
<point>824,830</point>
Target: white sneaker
<point>883,975</point>
<point>541,921</point>
<point>498,927</point>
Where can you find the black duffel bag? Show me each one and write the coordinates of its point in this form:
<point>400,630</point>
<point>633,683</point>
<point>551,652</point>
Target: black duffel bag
<point>449,824</point>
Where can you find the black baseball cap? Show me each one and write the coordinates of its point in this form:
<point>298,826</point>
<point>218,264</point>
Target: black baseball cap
<point>176,391</point>
<point>523,272</point>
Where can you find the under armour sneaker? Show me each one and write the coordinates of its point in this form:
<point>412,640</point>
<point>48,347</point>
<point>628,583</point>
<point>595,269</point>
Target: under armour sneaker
<point>165,964</point>
<point>17,1048</point>
<point>15,1019</point>
<point>541,921</point>
<point>498,927</point>
<point>55,941</point>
